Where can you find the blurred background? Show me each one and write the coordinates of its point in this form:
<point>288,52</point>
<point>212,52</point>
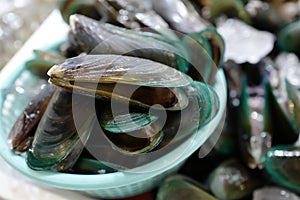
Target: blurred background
<point>18,20</point>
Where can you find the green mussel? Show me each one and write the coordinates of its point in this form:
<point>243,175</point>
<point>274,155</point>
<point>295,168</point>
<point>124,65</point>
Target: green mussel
<point>282,163</point>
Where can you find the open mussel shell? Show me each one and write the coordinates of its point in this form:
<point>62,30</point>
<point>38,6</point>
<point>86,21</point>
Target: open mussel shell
<point>94,37</point>
<point>181,15</point>
<point>57,143</point>
<point>181,187</point>
<point>231,180</point>
<point>282,163</point>
<point>132,80</point>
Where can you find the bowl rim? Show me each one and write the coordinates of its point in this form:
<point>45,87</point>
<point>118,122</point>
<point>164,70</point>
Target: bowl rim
<point>92,182</point>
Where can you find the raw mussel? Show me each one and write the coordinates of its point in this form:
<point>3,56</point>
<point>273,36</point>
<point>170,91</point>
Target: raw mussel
<point>117,77</point>
<point>181,15</point>
<point>282,163</point>
<point>110,96</point>
<point>95,37</point>
<point>182,187</point>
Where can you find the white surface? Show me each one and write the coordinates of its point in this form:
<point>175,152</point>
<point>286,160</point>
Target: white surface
<point>14,185</point>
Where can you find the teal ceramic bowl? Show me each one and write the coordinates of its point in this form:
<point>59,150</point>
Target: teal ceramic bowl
<point>114,185</point>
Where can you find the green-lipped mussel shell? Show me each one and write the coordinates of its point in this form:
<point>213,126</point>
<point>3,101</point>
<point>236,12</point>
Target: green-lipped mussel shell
<point>266,17</point>
<point>120,123</point>
<point>132,133</point>
<point>231,180</point>
<point>86,7</point>
<point>181,15</point>
<point>27,122</point>
<point>113,145</point>
<point>94,37</point>
<point>113,76</point>
<point>57,143</point>
<point>289,37</point>
<point>282,163</point>
<point>294,101</point>
<point>282,128</point>
<point>201,56</point>
<point>42,62</point>
<point>179,187</point>
<point>231,8</point>
<point>134,15</point>
<point>207,54</point>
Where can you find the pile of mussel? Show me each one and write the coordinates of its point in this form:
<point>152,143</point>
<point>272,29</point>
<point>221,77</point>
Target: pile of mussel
<point>131,71</point>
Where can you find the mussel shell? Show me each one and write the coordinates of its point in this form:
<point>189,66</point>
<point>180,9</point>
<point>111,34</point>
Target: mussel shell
<point>179,126</point>
<point>181,15</point>
<point>289,38</point>
<point>273,193</point>
<point>265,17</point>
<point>57,143</point>
<point>201,56</point>
<point>86,7</point>
<point>43,61</point>
<point>132,132</point>
<point>94,37</point>
<point>282,163</point>
<point>181,187</point>
<point>231,180</point>
<point>133,15</point>
<point>294,100</point>
<point>231,8</point>
<point>86,73</point>
<point>210,45</point>
<point>27,122</point>
<point>284,130</point>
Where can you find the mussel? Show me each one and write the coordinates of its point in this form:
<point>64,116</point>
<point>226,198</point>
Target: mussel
<point>272,193</point>
<point>57,142</point>
<point>231,180</point>
<point>181,15</point>
<point>94,37</point>
<point>119,77</point>
<point>282,163</point>
<point>182,187</point>
<point>207,49</point>
<point>22,132</point>
<point>230,8</point>
<point>288,38</point>
<point>43,61</point>
<point>133,15</point>
<point>134,105</point>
